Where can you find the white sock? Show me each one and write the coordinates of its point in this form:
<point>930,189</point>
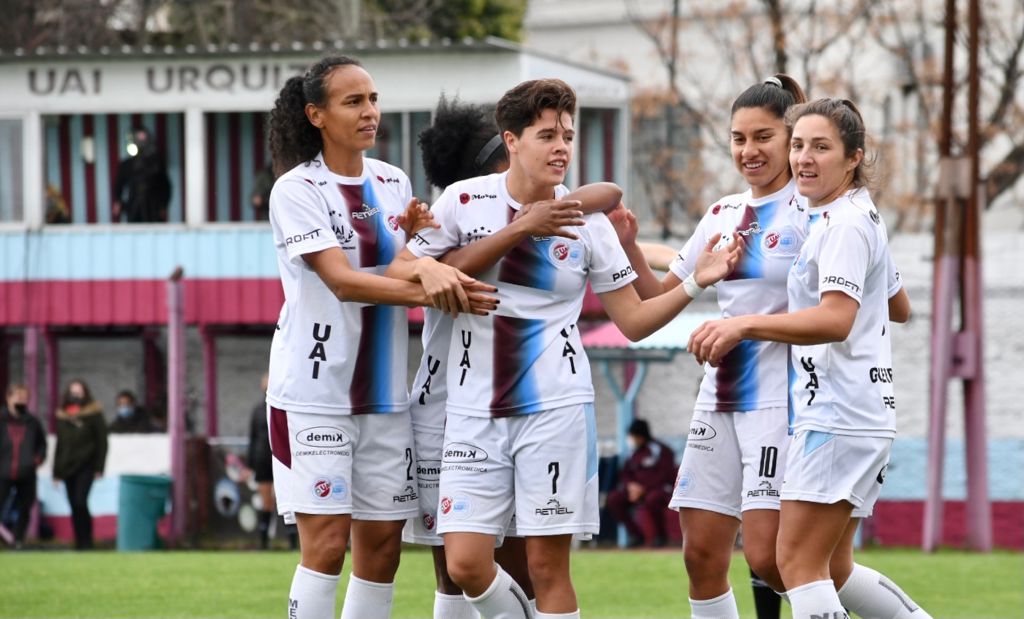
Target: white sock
<point>504,599</point>
<point>453,607</point>
<point>721,607</point>
<point>367,600</point>
<point>573,615</point>
<point>816,599</point>
<point>873,596</point>
<point>312,595</point>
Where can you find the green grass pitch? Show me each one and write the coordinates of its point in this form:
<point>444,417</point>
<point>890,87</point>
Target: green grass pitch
<point>610,584</point>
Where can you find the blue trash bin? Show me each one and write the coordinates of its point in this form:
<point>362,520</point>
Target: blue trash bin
<point>141,503</point>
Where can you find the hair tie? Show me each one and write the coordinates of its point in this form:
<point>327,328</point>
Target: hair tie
<point>486,152</point>
<point>774,81</point>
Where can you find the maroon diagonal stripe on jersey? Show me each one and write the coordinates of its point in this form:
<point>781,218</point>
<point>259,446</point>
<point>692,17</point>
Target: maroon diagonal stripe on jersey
<point>280,444</point>
<point>365,228</point>
<point>749,219</point>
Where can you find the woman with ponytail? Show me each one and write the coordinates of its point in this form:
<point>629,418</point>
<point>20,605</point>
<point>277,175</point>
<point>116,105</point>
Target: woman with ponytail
<point>338,407</point>
<point>731,471</point>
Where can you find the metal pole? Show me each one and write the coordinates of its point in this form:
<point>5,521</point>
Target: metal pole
<point>944,275</point>
<point>176,403</point>
<point>979,512</point>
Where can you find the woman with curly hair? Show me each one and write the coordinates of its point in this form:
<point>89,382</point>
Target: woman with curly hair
<point>338,407</point>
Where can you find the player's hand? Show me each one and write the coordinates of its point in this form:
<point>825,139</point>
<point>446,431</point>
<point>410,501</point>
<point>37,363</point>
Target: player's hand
<point>624,222</point>
<point>548,217</point>
<point>634,491</point>
<point>481,301</point>
<point>445,286</point>
<point>416,217</point>
<point>713,266</point>
<point>711,341</point>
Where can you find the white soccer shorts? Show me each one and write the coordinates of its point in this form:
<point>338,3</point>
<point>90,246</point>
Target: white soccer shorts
<point>828,468</point>
<point>733,462</point>
<point>540,467</point>
<point>344,464</point>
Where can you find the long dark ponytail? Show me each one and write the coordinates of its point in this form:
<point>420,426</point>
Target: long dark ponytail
<point>293,139</point>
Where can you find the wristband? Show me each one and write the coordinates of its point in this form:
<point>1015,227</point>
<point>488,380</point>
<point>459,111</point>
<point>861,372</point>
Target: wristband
<point>691,287</point>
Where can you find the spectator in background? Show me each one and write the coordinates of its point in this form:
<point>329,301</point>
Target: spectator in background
<point>56,206</point>
<point>81,454</point>
<point>131,418</point>
<point>22,450</point>
<point>640,501</point>
<point>142,189</point>
<point>260,198</point>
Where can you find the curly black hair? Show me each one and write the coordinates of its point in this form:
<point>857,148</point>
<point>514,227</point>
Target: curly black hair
<point>293,139</point>
<point>452,145</point>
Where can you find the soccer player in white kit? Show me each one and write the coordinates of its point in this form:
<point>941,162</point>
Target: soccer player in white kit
<point>732,467</point>
<point>520,435</point>
<point>462,142</point>
<point>842,407</point>
<point>338,409</point>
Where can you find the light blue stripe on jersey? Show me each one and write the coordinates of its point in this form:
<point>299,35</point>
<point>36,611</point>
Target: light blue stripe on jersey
<point>792,384</point>
<point>386,239</point>
<point>588,413</point>
<point>383,372</point>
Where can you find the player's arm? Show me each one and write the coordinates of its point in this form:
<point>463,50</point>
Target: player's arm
<point>899,306</point>
<point>445,287</point>
<point>545,218</point>
<point>638,318</point>
<point>645,257</point>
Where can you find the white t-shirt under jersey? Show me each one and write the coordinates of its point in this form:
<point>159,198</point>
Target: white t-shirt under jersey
<point>526,356</point>
<point>329,356</point>
<point>845,387</point>
<point>753,375</point>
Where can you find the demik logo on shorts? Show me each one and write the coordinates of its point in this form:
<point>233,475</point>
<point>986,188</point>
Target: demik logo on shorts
<point>463,452</point>
<point>428,470</point>
<point>700,431</point>
<point>323,437</point>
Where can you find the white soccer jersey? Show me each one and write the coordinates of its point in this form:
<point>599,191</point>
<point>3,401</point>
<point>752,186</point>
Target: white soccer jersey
<point>753,375</point>
<point>845,387</point>
<point>329,356</point>
<point>430,388</point>
<point>526,356</point>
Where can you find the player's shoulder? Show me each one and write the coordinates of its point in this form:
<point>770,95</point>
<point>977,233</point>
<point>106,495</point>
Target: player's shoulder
<point>384,173</point>
<point>855,208</point>
<point>732,204</point>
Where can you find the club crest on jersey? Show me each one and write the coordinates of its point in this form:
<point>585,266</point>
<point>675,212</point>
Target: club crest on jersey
<point>776,240</point>
<point>563,253</point>
<point>392,224</point>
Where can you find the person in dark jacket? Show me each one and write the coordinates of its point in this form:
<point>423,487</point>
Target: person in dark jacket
<point>142,189</point>
<point>22,450</point>
<point>80,455</point>
<point>131,418</point>
<point>640,500</point>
